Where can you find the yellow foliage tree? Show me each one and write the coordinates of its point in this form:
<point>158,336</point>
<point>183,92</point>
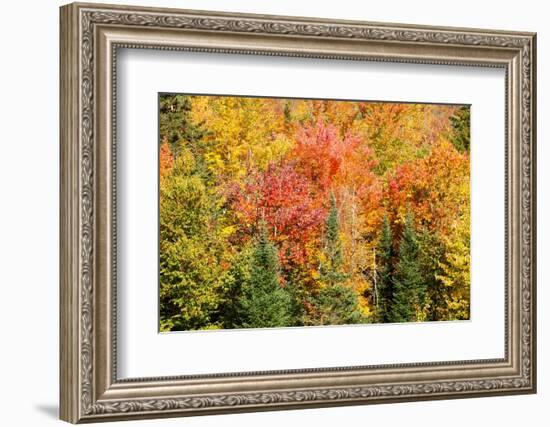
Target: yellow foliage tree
<point>244,133</point>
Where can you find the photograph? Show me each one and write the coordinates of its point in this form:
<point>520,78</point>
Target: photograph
<point>287,212</point>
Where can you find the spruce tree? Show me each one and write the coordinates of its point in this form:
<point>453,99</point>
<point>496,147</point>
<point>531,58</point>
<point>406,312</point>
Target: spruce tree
<point>234,282</point>
<point>287,113</point>
<point>331,269</point>
<point>177,127</point>
<point>431,253</point>
<point>460,121</point>
<point>336,304</point>
<point>265,303</point>
<point>409,290</point>
<point>191,247</point>
<point>386,256</point>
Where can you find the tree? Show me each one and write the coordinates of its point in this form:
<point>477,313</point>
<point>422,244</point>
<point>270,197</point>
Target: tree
<point>192,248</point>
<point>401,132</point>
<point>455,270</point>
<point>435,187</point>
<point>245,134</point>
<point>431,253</point>
<point>176,125</point>
<point>265,304</point>
<point>336,303</point>
<point>386,255</point>
<point>283,199</point>
<point>165,160</point>
<point>331,264</point>
<point>230,311</point>
<point>409,289</point>
<point>318,153</point>
<point>460,122</point>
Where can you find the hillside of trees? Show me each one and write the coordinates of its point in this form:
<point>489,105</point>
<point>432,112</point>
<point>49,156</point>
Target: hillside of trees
<point>292,212</point>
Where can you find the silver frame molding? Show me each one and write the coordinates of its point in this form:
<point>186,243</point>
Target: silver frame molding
<point>90,37</point>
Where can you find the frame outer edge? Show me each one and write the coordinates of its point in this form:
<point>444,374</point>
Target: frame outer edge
<point>305,19</point>
<point>69,354</point>
<point>77,339</point>
<point>534,271</point>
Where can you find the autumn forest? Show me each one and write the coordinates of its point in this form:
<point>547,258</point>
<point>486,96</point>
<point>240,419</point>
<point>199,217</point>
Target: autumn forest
<point>303,212</point>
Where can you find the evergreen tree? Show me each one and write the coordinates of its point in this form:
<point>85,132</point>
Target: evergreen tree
<point>331,268</point>
<point>265,303</point>
<point>287,114</point>
<point>386,255</point>
<point>431,254</point>
<point>300,293</point>
<point>230,311</point>
<point>176,126</point>
<point>409,289</point>
<point>336,303</point>
<point>460,136</point>
<point>191,249</point>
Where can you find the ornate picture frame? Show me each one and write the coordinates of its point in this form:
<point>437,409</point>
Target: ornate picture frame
<point>90,37</point>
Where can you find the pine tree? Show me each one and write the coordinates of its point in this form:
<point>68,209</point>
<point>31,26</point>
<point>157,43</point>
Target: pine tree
<point>265,303</point>
<point>460,122</point>
<point>409,290</point>
<point>336,304</point>
<point>191,249</point>
<point>230,311</point>
<point>176,126</point>
<point>287,114</point>
<point>431,253</point>
<point>331,269</point>
<point>385,285</point>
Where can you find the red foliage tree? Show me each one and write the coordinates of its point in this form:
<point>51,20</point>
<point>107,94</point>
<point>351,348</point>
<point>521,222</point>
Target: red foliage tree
<point>166,159</point>
<point>284,199</point>
<point>435,188</point>
<point>319,152</point>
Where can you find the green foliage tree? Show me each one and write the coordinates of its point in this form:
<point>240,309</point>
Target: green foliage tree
<point>230,310</point>
<point>409,288</point>
<point>265,303</point>
<point>431,252</point>
<point>191,247</point>
<point>331,266</point>
<point>460,122</point>
<point>336,303</point>
<point>300,288</point>
<point>287,113</point>
<point>386,255</point>
<point>176,125</point>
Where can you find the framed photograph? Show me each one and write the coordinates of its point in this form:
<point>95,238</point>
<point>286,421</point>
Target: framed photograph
<point>266,213</point>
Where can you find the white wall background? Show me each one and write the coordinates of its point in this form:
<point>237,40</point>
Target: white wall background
<point>29,171</point>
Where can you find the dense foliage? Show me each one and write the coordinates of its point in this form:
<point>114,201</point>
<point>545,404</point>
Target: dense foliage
<point>289,212</point>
